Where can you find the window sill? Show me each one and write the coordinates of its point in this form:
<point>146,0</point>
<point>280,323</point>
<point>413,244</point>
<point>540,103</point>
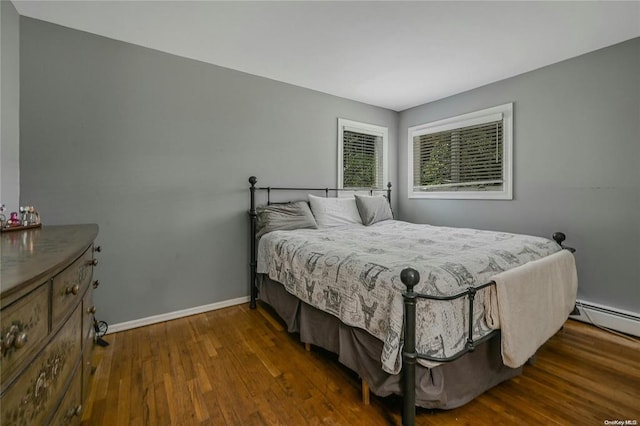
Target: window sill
<point>460,195</point>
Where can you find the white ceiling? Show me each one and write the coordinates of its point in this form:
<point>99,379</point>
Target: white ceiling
<point>387,53</point>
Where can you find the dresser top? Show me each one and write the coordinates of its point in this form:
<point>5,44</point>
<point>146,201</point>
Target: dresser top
<point>31,255</point>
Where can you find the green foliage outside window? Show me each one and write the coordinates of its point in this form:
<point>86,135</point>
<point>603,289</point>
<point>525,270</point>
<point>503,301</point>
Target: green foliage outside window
<point>453,157</point>
<point>359,161</point>
<point>436,170</point>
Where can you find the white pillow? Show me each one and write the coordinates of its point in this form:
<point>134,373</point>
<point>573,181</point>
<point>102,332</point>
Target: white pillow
<point>334,211</point>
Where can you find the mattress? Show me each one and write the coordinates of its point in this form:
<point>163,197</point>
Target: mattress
<point>352,273</point>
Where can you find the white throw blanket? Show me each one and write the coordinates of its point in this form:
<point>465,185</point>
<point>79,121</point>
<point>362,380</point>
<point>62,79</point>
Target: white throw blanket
<point>530,304</point>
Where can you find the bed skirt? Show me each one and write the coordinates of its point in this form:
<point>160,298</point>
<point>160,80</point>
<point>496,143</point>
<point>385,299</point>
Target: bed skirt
<point>446,386</point>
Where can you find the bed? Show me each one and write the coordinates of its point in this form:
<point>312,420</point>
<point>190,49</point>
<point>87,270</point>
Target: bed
<point>413,309</point>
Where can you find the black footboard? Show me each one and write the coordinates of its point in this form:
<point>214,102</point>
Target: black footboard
<point>410,278</point>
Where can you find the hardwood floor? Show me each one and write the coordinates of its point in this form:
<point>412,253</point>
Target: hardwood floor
<point>237,366</point>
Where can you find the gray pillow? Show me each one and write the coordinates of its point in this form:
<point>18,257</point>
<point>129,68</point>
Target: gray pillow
<point>288,216</point>
<point>373,209</point>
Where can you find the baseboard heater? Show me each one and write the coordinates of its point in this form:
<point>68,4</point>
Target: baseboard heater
<point>604,316</point>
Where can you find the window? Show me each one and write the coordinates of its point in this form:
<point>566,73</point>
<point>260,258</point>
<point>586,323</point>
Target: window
<point>362,155</point>
<point>465,157</point>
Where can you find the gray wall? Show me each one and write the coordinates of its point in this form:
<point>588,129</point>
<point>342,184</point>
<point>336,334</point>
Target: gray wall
<point>576,166</point>
<point>157,150</point>
<point>9,117</point>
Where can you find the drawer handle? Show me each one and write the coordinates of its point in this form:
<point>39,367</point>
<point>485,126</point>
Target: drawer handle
<point>14,339</point>
<point>21,340</point>
<point>72,290</point>
<point>92,262</point>
<point>96,283</point>
<point>91,310</point>
<point>97,248</point>
<point>75,411</point>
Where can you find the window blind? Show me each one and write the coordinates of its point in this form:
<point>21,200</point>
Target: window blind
<point>362,160</point>
<point>466,159</point>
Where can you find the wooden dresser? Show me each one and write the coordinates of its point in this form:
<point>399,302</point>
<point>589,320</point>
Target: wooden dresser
<point>46,324</point>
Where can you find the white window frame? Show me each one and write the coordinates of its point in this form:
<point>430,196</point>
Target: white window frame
<point>504,112</point>
<point>365,128</point>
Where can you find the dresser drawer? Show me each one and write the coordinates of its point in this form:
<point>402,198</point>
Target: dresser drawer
<point>25,324</point>
<point>69,286</point>
<point>88,309</point>
<point>87,366</point>
<point>32,399</point>
<point>88,340</point>
<point>69,411</point>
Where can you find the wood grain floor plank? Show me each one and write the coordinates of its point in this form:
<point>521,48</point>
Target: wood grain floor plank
<point>161,406</point>
<point>237,366</point>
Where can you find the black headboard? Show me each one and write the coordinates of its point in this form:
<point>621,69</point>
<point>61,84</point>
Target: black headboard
<point>253,218</point>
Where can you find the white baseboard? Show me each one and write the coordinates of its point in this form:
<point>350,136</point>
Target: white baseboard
<point>127,325</point>
<point>592,313</point>
<point>605,316</point>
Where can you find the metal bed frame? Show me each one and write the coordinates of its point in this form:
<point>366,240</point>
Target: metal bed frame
<point>410,278</point>
<point>253,218</point>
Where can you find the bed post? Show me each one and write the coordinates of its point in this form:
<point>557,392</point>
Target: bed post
<point>253,263</point>
<point>389,192</point>
<point>559,238</point>
<point>409,277</point>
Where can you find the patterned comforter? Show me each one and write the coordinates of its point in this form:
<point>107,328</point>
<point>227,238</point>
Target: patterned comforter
<point>353,272</point>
